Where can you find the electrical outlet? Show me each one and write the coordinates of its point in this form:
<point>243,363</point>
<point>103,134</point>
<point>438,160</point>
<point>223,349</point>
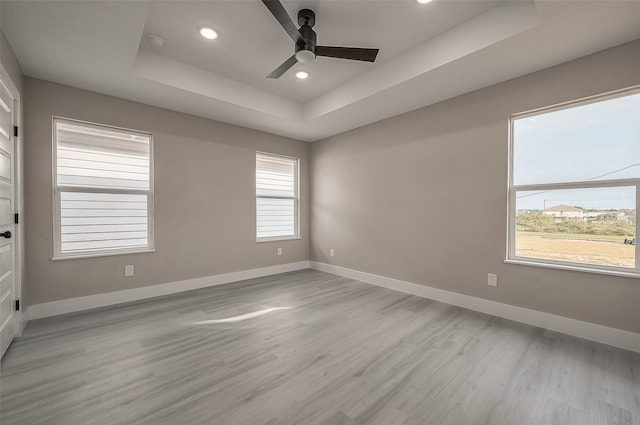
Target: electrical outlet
<point>332,252</point>
<point>128,270</point>
<point>492,279</point>
<point>279,251</point>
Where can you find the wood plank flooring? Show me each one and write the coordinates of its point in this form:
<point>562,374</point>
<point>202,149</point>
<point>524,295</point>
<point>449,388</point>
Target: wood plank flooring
<point>309,348</point>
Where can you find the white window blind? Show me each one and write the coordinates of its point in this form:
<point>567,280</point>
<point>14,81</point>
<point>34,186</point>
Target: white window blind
<point>103,190</point>
<point>276,197</point>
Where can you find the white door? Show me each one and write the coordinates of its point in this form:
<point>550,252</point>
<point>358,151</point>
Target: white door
<point>8,315</point>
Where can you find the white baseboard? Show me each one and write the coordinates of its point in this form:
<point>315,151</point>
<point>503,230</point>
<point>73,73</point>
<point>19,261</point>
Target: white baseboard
<point>54,308</point>
<point>24,319</point>
<point>586,330</point>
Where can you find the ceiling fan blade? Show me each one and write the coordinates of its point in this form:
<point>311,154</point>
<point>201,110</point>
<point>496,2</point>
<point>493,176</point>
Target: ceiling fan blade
<point>277,10</point>
<point>353,53</point>
<point>277,73</point>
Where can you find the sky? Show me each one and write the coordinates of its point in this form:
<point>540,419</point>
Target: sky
<point>597,141</point>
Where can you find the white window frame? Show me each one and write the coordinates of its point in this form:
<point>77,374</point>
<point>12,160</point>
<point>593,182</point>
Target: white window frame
<point>511,256</point>
<point>296,200</point>
<point>57,190</point>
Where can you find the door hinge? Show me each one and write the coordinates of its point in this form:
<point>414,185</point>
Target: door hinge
<point>16,218</point>
<point>17,305</point>
<point>15,130</point>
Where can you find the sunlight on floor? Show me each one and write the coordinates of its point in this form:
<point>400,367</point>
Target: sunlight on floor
<point>242,317</point>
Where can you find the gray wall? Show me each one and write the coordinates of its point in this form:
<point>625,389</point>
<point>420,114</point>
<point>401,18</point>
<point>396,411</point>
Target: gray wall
<point>422,197</point>
<point>204,196</point>
<point>10,63</point>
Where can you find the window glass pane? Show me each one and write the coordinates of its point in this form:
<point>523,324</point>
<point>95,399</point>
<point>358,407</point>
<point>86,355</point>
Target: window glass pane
<point>586,226</point>
<point>99,221</point>
<point>275,176</point>
<point>275,217</point>
<point>597,141</point>
<point>90,156</point>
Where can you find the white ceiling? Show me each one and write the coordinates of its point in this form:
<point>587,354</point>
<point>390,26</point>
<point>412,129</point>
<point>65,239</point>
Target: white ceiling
<point>427,53</point>
<point>252,43</point>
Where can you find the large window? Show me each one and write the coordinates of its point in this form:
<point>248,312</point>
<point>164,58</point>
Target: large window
<point>103,190</point>
<point>575,185</point>
<point>276,197</point>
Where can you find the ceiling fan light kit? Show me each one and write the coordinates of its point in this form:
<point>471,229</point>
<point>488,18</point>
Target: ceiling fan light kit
<point>305,56</point>
<point>305,38</point>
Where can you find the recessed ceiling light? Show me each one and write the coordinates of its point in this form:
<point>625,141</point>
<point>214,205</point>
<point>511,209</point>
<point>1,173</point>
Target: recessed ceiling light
<point>208,33</point>
<point>302,75</point>
<point>424,1</point>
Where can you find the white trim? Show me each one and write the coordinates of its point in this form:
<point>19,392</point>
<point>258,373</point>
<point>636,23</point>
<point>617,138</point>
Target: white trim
<point>575,267</point>
<point>579,102</point>
<point>105,253</point>
<point>637,250</point>
<point>57,190</point>
<point>25,320</point>
<point>585,184</point>
<point>591,331</point>
<point>18,197</point>
<point>278,238</point>
<point>54,308</point>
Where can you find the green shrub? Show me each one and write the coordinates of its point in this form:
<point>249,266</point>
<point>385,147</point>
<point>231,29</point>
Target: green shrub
<point>607,224</point>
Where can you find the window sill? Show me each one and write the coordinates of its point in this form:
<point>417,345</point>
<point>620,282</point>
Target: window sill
<point>100,254</point>
<point>575,267</point>
<point>276,239</point>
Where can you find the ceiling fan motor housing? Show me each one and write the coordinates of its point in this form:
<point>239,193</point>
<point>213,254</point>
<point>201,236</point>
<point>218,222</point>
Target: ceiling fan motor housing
<point>306,17</point>
<point>306,47</point>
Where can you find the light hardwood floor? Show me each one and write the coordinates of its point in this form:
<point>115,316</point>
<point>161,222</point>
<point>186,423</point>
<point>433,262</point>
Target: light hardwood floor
<point>336,352</point>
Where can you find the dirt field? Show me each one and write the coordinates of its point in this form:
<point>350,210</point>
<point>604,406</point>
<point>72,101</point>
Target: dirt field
<point>609,253</point>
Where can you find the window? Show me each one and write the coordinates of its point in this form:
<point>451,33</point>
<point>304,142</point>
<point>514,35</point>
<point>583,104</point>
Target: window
<point>276,197</point>
<point>103,190</point>
<point>575,184</point>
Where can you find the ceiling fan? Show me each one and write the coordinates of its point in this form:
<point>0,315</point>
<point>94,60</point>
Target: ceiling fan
<point>305,40</point>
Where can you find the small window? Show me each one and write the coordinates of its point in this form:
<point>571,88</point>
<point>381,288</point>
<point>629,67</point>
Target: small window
<point>575,185</point>
<point>276,197</point>
<point>103,190</point>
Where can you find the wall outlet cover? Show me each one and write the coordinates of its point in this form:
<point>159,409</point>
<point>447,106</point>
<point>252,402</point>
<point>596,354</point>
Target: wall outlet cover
<point>128,270</point>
